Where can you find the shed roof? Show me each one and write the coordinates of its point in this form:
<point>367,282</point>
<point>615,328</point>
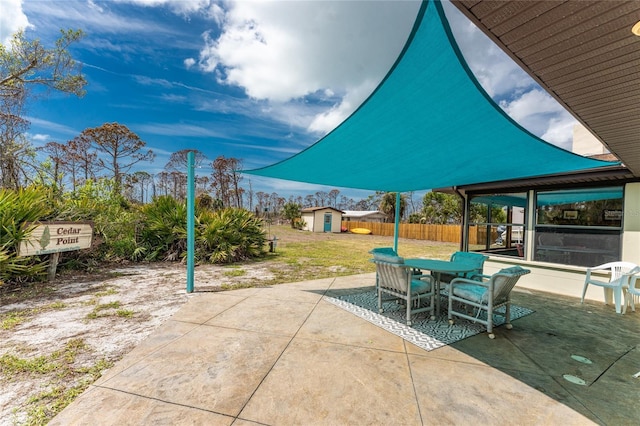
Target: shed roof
<point>362,213</point>
<point>314,209</point>
<point>429,124</point>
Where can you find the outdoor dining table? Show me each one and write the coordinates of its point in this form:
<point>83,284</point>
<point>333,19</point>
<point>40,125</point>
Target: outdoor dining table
<point>437,267</point>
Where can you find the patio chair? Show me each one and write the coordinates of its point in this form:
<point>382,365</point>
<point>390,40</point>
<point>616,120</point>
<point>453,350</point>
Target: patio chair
<point>632,295</point>
<point>616,282</point>
<point>383,253</point>
<point>485,296</point>
<point>477,259</point>
<point>394,278</point>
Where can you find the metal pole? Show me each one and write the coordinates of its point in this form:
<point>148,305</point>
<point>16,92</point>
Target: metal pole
<point>190,219</point>
<point>397,224</point>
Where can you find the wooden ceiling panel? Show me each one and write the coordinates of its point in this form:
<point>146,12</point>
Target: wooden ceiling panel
<point>543,26</point>
<point>584,54</point>
<point>528,10</point>
<point>604,70</point>
<point>564,44</point>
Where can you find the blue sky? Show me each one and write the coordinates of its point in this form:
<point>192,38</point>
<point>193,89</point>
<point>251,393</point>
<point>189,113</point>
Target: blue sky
<point>255,80</point>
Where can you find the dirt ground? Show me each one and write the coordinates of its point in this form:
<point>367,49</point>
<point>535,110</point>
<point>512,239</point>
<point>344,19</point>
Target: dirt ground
<point>69,331</point>
<point>56,338</point>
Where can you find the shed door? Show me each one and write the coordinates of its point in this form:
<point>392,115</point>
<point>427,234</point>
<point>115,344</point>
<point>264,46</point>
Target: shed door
<point>327,222</point>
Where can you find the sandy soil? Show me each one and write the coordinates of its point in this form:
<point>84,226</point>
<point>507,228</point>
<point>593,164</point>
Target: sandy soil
<point>109,312</point>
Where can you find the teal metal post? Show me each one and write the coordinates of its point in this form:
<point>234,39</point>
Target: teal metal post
<point>396,230</point>
<point>191,213</point>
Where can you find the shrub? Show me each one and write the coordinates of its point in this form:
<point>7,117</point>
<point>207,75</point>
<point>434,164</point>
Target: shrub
<point>229,235</point>
<point>115,220</point>
<point>17,210</point>
<point>164,229</point>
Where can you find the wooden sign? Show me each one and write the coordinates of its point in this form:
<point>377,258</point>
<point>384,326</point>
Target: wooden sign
<point>56,237</point>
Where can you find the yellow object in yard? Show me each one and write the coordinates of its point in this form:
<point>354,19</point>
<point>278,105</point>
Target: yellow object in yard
<point>360,231</point>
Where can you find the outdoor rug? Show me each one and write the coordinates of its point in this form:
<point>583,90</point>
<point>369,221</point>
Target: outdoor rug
<point>424,332</point>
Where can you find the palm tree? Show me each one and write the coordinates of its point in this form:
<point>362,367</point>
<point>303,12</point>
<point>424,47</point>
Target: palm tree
<point>388,205</point>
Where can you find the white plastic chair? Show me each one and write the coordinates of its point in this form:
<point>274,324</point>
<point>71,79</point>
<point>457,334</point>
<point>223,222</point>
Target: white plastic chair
<point>618,280</point>
<point>633,290</point>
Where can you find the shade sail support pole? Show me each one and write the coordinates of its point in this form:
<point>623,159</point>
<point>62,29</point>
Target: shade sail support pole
<point>190,219</point>
<point>396,228</point>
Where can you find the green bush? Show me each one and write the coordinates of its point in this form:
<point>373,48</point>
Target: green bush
<point>229,235</point>
<point>164,229</point>
<point>154,232</point>
<point>115,221</point>
<point>17,210</point>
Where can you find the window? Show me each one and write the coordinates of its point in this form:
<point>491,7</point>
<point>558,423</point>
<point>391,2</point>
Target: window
<point>581,227</point>
<point>497,223</point>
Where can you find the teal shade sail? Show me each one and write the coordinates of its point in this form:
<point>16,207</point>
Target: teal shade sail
<point>513,200</point>
<point>429,124</point>
<point>554,198</point>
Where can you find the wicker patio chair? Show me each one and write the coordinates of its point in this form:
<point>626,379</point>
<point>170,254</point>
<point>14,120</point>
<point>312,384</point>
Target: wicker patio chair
<point>485,296</point>
<point>477,259</point>
<point>398,280</point>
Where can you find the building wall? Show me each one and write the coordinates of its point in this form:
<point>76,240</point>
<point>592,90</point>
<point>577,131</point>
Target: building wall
<point>569,280</point>
<point>308,219</point>
<point>372,218</point>
<point>584,143</point>
<point>631,223</point>
<point>315,220</point>
<point>559,279</point>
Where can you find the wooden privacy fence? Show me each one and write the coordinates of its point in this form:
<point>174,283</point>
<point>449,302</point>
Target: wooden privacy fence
<point>415,231</point>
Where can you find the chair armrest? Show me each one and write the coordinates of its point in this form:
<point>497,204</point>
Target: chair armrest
<point>596,268</point>
<point>481,276</point>
<point>457,281</point>
<point>423,277</point>
<point>626,278</point>
<point>633,284</point>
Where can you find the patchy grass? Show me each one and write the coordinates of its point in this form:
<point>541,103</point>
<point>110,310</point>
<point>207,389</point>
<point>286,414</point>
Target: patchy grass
<point>124,313</point>
<point>12,319</point>
<point>66,383</point>
<point>108,292</point>
<point>235,272</point>
<point>304,255</point>
<point>12,366</point>
<point>100,308</point>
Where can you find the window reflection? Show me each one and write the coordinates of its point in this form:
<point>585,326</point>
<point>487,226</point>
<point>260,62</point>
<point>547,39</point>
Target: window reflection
<point>497,223</point>
<point>581,227</point>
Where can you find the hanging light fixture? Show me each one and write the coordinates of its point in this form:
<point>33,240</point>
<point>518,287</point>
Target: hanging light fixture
<point>636,29</point>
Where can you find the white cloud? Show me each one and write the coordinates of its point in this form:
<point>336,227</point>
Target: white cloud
<point>538,112</point>
<point>560,131</point>
<point>39,137</point>
<point>55,128</point>
<point>330,119</point>
<point>12,19</point>
<point>91,17</point>
<point>284,51</point>
<point>183,7</point>
<point>189,62</point>
<point>534,102</point>
<point>177,129</point>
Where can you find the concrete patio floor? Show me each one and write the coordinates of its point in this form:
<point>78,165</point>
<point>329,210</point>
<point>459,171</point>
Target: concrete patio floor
<point>282,355</point>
